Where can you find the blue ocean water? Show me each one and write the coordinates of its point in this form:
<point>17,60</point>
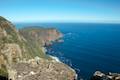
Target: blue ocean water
<point>87,47</point>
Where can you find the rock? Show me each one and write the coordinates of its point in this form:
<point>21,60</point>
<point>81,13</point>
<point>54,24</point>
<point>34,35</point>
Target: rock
<point>60,40</point>
<point>12,52</point>
<point>101,76</point>
<point>32,73</point>
<point>12,74</point>
<point>45,70</point>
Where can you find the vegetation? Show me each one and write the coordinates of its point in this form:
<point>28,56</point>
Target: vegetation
<point>2,19</point>
<point>3,71</point>
<point>30,45</point>
<point>33,44</point>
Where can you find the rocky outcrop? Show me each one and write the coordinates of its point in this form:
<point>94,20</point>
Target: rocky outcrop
<point>12,52</point>
<point>42,70</point>
<point>22,54</point>
<point>101,76</point>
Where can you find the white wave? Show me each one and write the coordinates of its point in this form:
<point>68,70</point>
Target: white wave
<point>68,34</point>
<point>55,58</point>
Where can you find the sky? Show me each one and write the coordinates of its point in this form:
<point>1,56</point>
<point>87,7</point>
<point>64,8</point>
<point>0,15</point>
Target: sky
<point>96,11</point>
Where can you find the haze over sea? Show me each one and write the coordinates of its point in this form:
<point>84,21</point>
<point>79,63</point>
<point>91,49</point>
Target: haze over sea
<point>87,47</point>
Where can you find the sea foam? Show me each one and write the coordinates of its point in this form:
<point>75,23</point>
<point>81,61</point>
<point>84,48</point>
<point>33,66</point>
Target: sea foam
<point>55,58</point>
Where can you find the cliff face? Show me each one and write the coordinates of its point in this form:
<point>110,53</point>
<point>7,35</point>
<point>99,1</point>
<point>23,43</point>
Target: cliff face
<point>43,36</point>
<point>10,41</point>
<point>22,55</point>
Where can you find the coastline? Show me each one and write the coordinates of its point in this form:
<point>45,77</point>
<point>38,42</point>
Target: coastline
<point>56,59</point>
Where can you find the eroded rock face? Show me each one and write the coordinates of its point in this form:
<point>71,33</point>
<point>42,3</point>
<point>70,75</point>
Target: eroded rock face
<point>101,76</point>
<point>12,52</point>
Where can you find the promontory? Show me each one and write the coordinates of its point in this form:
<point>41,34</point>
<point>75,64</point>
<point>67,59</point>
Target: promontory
<point>23,57</point>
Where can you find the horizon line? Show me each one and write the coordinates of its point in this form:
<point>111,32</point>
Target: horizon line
<point>68,22</point>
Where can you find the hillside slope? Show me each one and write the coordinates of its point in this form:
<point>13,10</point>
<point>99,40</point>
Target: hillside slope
<point>22,54</point>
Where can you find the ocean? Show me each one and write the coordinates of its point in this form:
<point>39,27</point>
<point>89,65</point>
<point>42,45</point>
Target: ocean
<point>87,47</point>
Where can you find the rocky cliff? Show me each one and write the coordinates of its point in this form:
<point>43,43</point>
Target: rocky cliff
<point>22,54</point>
<point>43,36</point>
